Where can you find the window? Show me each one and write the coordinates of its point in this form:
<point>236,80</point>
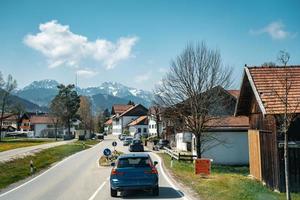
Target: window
<point>139,130</point>
<point>145,130</point>
<point>154,125</point>
<point>134,162</point>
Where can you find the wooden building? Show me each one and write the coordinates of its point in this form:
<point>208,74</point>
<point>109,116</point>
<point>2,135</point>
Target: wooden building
<point>260,98</point>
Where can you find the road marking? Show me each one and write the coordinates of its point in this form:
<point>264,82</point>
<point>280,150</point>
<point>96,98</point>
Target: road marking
<point>96,192</point>
<point>167,178</point>
<point>56,165</point>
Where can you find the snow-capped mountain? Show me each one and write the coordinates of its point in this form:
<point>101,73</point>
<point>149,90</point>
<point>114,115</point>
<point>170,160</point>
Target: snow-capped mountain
<point>42,92</point>
<point>46,84</point>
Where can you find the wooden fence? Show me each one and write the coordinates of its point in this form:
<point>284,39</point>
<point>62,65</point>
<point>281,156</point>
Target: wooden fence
<point>179,156</point>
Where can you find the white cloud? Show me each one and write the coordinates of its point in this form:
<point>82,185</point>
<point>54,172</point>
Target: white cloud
<point>143,77</point>
<point>275,30</point>
<point>86,73</point>
<point>62,47</point>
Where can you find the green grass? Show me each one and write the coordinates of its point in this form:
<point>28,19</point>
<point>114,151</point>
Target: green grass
<point>225,182</point>
<point>19,169</point>
<point>88,142</point>
<point>8,144</point>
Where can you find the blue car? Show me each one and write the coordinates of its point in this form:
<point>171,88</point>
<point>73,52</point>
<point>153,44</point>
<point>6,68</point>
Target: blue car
<point>134,172</point>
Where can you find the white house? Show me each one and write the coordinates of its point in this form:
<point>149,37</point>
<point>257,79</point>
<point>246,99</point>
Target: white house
<point>139,126</point>
<point>120,121</point>
<point>43,126</point>
<point>152,122</point>
<point>230,146</point>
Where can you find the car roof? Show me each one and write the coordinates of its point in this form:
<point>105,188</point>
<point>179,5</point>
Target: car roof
<point>134,155</point>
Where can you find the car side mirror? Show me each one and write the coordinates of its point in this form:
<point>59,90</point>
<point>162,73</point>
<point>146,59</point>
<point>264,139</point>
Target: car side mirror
<point>155,163</point>
<point>113,164</point>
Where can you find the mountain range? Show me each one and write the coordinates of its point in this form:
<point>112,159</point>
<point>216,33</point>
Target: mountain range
<point>103,96</point>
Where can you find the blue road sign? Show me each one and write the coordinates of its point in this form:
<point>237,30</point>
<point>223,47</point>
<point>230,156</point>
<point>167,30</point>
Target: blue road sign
<point>107,152</point>
<point>114,143</point>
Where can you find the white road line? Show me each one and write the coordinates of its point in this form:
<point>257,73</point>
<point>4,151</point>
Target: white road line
<point>96,192</point>
<point>167,178</point>
<point>56,165</point>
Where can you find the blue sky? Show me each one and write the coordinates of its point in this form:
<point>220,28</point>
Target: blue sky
<point>132,42</point>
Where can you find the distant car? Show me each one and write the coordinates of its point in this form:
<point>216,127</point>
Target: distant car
<point>161,144</point>
<point>100,136</point>
<point>136,146</point>
<point>122,136</point>
<point>134,172</point>
<point>127,141</point>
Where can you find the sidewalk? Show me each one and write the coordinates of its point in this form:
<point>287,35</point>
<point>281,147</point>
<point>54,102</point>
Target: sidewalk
<point>25,151</point>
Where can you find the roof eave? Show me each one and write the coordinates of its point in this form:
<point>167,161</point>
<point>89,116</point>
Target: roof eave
<point>257,97</point>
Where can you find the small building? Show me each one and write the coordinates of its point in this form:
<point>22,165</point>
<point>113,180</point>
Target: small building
<point>260,99</point>
<point>229,133</point>
<point>155,126</point>
<point>9,122</point>
<point>139,126</point>
<point>120,121</point>
<point>229,146</point>
<point>108,126</point>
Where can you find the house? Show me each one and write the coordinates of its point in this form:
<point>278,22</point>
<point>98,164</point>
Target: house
<point>229,146</point>
<point>118,109</point>
<point>120,120</point>
<point>108,126</point>
<point>229,133</point>
<point>139,126</point>
<point>9,122</point>
<point>155,126</point>
<point>260,100</point>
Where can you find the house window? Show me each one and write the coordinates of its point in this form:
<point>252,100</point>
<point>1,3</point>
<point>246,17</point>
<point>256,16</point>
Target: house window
<point>154,125</point>
<point>145,130</point>
<point>139,130</point>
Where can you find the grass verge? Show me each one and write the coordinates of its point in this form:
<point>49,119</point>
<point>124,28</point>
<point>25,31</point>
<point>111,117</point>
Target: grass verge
<point>88,142</point>
<point>19,169</point>
<point>18,143</point>
<point>225,182</point>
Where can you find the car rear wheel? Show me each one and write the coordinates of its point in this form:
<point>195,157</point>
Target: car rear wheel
<point>155,191</point>
<point>113,193</point>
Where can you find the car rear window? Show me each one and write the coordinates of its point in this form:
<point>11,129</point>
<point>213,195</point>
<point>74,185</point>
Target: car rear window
<point>137,162</point>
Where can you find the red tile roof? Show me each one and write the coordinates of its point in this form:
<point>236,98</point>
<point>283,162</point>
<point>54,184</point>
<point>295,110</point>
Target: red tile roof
<point>9,117</point>
<point>108,122</point>
<point>229,122</point>
<point>142,120</point>
<point>120,108</point>
<point>268,86</point>
<point>41,120</point>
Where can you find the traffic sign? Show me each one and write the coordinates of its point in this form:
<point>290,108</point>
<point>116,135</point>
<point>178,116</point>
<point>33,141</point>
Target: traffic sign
<point>107,152</point>
<point>114,143</point>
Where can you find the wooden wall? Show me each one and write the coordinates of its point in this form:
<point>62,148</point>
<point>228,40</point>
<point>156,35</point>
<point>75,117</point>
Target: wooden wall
<point>254,154</point>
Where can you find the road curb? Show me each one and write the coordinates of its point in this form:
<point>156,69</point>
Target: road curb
<point>189,192</point>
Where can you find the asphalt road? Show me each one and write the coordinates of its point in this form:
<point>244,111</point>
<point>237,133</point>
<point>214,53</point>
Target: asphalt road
<point>80,177</point>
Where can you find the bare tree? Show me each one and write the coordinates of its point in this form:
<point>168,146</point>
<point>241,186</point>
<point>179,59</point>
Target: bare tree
<point>290,113</point>
<point>6,87</point>
<point>191,91</point>
<point>269,64</point>
<point>85,113</point>
<point>56,107</point>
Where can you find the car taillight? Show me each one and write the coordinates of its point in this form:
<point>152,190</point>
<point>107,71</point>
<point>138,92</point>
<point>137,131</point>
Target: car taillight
<point>116,172</point>
<point>152,171</point>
